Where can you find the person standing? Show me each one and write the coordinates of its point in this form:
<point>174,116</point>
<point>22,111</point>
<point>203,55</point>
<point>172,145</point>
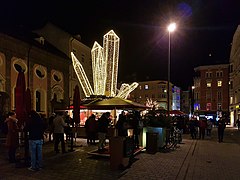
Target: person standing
<point>103,123</point>
<point>122,125</point>
<point>209,127</point>
<point>202,128</point>
<point>238,124</point>
<point>136,119</point>
<point>59,124</point>
<point>12,136</point>
<point>221,126</point>
<point>50,125</point>
<point>91,129</point>
<point>36,127</point>
<point>192,128</point>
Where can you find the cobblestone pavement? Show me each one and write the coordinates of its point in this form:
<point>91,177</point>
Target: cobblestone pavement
<point>194,159</point>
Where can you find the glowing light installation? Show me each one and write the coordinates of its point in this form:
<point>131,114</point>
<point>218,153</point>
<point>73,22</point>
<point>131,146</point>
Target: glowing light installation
<point>87,89</point>
<point>105,69</point>
<point>111,54</point>
<point>99,69</point>
<point>126,89</point>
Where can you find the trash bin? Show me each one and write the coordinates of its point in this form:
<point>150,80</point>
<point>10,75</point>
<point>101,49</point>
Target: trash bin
<point>118,158</point>
<point>151,144</point>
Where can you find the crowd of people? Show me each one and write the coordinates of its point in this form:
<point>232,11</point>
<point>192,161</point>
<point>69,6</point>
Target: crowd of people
<point>202,126</point>
<point>58,126</point>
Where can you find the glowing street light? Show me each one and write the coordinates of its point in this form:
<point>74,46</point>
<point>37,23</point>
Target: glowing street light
<point>171,28</point>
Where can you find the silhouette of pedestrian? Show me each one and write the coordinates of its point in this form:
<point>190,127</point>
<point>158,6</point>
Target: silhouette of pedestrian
<point>221,127</point>
<point>12,136</point>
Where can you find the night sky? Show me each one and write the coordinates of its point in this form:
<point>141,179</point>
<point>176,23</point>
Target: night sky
<point>203,37</point>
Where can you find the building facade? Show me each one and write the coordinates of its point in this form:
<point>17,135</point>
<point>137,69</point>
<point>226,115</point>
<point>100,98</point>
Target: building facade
<point>47,82</point>
<point>176,98</point>
<point>234,77</point>
<point>154,90</point>
<point>211,88</point>
<point>185,102</point>
<point>67,43</point>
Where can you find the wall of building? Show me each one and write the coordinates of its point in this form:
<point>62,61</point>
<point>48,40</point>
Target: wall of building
<point>234,77</point>
<point>154,90</point>
<point>40,66</point>
<point>211,88</point>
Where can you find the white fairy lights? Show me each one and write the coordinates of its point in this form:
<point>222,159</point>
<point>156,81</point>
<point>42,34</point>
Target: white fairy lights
<point>87,89</point>
<point>105,69</point>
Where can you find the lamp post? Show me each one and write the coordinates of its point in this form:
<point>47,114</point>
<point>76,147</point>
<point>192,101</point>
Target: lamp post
<point>171,27</point>
<point>192,100</point>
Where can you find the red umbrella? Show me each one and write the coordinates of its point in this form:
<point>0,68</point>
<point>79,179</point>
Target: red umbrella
<point>28,101</point>
<point>76,105</point>
<point>20,98</point>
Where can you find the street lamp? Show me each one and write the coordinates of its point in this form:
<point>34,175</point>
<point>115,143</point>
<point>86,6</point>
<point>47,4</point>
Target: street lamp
<point>171,27</point>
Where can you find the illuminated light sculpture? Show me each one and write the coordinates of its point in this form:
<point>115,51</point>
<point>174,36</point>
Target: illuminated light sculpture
<point>99,69</point>
<point>105,69</point>
<point>152,104</point>
<point>87,89</point>
<point>126,89</point>
<point>111,54</point>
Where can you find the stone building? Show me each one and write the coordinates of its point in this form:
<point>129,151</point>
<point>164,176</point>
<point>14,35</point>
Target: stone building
<point>234,77</point>
<point>46,71</point>
<point>154,90</point>
<point>211,89</point>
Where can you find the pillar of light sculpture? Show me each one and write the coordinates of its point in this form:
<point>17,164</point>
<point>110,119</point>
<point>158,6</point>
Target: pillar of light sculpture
<point>98,69</point>
<point>111,54</point>
<point>87,89</point>
<point>105,69</point>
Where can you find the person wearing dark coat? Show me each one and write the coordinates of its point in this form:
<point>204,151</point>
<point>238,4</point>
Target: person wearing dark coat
<point>221,127</point>
<point>103,123</point>
<point>12,136</point>
<point>36,127</point>
<point>121,125</point>
<point>91,129</point>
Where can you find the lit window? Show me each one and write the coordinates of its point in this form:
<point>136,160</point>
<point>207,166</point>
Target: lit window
<point>231,100</point>
<point>140,87</point>
<point>146,86</point>
<point>165,90</point>
<point>209,84</point>
<point>219,83</point>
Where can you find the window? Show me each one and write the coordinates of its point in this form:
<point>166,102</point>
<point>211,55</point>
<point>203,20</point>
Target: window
<point>208,74</point>
<point>231,84</point>
<point>219,95</point>
<point>209,84</point>
<point>208,106</point>
<point>231,100</point>
<point>140,87</point>
<point>219,106</point>
<point>231,68</point>
<point>219,74</point>
<point>219,83</point>
<point>208,96</point>
<point>83,58</point>
<point>146,86</point>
